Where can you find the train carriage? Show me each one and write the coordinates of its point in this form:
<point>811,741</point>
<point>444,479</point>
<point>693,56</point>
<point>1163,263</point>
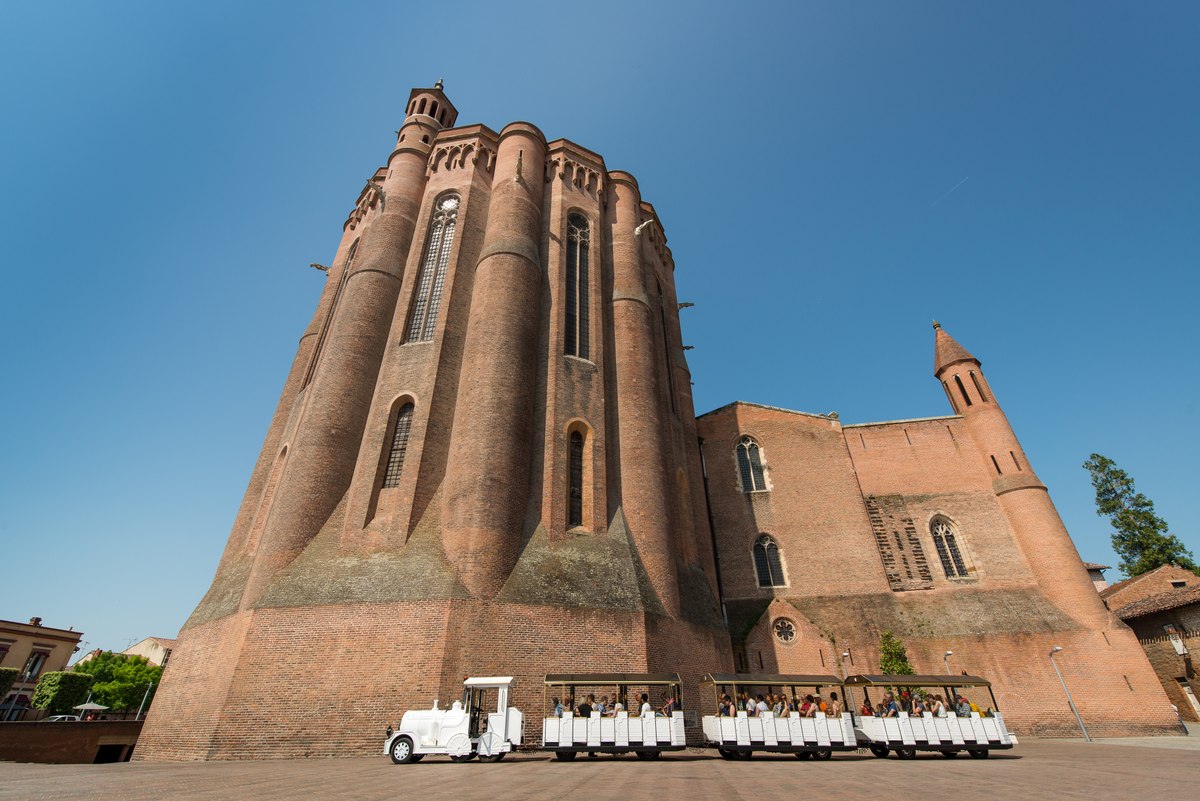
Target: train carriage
<point>739,735</point>
<point>622,731</point>
<point>977,733</point>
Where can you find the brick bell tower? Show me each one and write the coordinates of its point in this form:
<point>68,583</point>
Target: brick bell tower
<point>1034,520</point>
<point>484,461</point>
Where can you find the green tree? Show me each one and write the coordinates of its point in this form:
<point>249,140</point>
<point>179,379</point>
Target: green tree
<point>121,679</point>
<point>8,677</point>
<point>60,692</point>
<point>893,659</point>
<point>1140,537</point>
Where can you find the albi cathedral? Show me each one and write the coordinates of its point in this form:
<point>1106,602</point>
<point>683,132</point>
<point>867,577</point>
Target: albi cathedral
<point>485,461</point>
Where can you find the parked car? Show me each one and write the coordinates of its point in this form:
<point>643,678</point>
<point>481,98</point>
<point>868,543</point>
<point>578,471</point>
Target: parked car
<point>62,718</point>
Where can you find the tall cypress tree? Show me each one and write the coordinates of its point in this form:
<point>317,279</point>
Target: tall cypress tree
<point>1140,536</point>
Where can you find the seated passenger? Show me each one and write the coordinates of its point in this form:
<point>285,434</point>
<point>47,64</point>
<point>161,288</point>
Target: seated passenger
<point>866,710</point>
<point>761,706</point>
<point>834,707</point>
<point>616,707</point>
<point>569,705</point>
<point>820,702</point>
<point>558,707</point>
<point>602,707</point>
<point>646,710</point>
<point>890,708</point>
<point>584,710</point>
<point>918,706</point>
<point>938,707</point>
<point>880,710</point>
<point>964,707</point>
<point>806,708</point>
<point>723,705</point>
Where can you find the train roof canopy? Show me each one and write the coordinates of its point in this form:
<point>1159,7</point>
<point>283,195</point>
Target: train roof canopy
<point>593,679</point>
<point>771,679</point>
<point>916,681</point>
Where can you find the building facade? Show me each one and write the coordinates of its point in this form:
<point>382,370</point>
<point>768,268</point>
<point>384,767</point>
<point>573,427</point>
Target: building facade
<point>1162,607</point>
<point>485,461</point>
<point>33,650</point>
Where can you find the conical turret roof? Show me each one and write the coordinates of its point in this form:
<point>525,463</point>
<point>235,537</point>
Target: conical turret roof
<point>947,351</point>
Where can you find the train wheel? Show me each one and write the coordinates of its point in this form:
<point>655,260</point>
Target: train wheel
<point>492,758</point>
<point>823,753</point>
<point>745,754</point>
<point>402,750</point>
<point>803,754</point>
<point>950,754</point>
<point>463,758</point>
<point>564,756</point>
<point>906,753</point>
<point>726,753</point>
<point>978,753</point>
<point>879,751</point>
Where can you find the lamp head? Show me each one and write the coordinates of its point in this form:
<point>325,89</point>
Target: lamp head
<point>1056,649</point>
<point>948,653</point>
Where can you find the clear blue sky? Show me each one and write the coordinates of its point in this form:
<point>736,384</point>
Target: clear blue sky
<point>832,177</point>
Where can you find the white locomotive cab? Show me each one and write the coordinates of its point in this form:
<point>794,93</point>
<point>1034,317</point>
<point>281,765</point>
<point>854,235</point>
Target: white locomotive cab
<point>462,732</point>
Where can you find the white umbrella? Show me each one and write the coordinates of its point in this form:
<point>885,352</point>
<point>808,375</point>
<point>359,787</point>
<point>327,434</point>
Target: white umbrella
<point>90,707</point>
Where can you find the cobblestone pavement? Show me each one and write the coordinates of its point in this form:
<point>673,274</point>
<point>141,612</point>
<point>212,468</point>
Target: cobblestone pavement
<point>1044,769</point>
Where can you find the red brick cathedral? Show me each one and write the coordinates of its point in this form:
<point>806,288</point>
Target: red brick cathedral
<point>485,460</point>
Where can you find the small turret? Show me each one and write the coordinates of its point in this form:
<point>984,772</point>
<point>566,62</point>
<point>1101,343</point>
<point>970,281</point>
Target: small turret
<point>432,104</point>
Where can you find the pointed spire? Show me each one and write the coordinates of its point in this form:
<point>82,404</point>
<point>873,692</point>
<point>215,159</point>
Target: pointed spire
<point>947,351</point>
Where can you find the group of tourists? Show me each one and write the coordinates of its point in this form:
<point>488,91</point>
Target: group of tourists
<point>609,709</point>
<point>780,706</point>
<point>917,705</point>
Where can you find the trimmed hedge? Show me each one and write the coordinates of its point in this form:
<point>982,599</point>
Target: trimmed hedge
<point>61,692</point>
<point>8,677</point>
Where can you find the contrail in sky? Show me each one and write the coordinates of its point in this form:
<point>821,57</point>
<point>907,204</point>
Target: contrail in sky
<point>949,192</point>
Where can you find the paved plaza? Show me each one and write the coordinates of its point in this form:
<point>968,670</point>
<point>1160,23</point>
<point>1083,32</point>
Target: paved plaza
<point>1034,770</point>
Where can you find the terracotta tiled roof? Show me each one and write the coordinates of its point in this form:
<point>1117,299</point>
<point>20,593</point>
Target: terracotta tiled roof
<point>1094,566</point>
<point>947,351</point>
<point>1171,599</point>
<point>1120,585</point>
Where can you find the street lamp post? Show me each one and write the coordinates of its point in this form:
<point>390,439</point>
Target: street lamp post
<point>1070,700</point>
<point>145,695</point>
<point>946,661</point>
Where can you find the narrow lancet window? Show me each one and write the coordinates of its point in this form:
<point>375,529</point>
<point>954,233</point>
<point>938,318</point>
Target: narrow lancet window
<point>978,387</point>
<point>750,468</point>
<point>575,483</point>
<point>767,562</point>
<point>945,540</point>
<point>576,338</point>
<point>963,390</point>
<point>399,446</point>
<point>422,321</point>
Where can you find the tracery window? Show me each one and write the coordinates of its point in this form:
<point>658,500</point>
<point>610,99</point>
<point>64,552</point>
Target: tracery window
<point>427,299</point>
<point>945,539</point>
<point>750,468</point>
<point>785,630</point>
<point>575,342</point>
<point>767,562</point>
<point>575,482</point>
<point>401,427</point>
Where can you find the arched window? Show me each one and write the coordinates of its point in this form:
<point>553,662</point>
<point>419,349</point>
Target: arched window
<point>423,319</point>
<point>399,446</point>
<point>750,467</point>
<point>767,562</point>
<point>945,539</point>
<point>575,482</point>
<point>337,296</point>
<point>575,341</point>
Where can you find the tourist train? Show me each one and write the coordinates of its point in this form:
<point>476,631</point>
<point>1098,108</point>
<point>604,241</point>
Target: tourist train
<point>807,717</point>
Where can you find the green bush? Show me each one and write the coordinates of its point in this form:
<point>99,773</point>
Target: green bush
<point>893,658</point>
<point>8,677</point>
<point>60,693</point>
